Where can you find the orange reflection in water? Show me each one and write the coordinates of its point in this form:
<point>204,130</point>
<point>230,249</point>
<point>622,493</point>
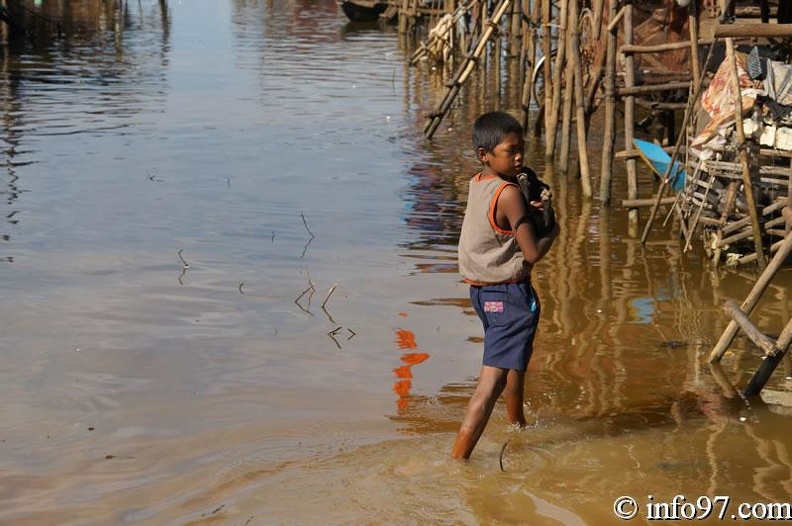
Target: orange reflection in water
<point>406,340</point>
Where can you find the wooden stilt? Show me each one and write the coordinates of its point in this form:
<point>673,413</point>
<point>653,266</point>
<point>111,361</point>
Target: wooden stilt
<point>547,70</point>
<point>743,155</point>
<point>529,45</point>
<point>770,362</point>
<point>606,175</point>
<point>566,113</point>
<point>693,25</point>
<point>580,105</point>
<point>551,123</point>
<point>629,114</point>
<point>753,298</point>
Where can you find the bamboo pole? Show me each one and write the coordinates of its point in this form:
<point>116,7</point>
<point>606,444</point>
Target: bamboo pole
<point>405,6</point>
<point>632,203</point>
<point>496,62</point>
<point>580,104</point>
<point>515,23</point>
<point>629,114</point>
<point>769,364</point>
<point>529,43</point>
<point>597,68</point>
<point>631,91</point>
<point>758,337</point>
<point>465,70</point>
<point>658,48</point>
<point>752,30</point>
<point>551,123</point>
<point>547,70</point>
<point>608,147</point>
<point>693,25</point>
<point>753,298</point>
<point>566,113</point>
<point>743,154</point>
<point>787,211</point>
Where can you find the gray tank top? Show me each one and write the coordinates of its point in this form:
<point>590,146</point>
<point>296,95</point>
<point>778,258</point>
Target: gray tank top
<point>487,253</point>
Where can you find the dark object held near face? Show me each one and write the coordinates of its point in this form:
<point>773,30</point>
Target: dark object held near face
<point>534,189</point>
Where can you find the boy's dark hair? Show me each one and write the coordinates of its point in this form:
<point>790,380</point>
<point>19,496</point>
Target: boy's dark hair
<point>490,128</point>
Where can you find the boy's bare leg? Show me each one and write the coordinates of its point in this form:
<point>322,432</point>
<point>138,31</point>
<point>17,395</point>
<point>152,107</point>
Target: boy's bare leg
<point>490,385</point>
<point>515,387</point>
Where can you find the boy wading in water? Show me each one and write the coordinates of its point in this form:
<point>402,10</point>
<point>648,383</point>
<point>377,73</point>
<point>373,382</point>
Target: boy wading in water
<point>498,247</point>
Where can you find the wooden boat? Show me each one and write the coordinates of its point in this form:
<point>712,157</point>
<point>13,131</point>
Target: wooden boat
<point>363,10</point>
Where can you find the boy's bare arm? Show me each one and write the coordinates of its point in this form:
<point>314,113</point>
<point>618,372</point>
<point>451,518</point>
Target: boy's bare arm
<point>511,205</point>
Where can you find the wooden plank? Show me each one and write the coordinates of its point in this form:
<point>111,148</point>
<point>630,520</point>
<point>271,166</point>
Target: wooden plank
<point>759,380</point>
<point>627,49</point>
<point>758,337</point>
<point>701,183</point>
<point>633,203</point>
<point>783,249</point>
<point>740,236</point>
<point>752,30</point>
<point>777,182</point>
<point>736,225</point>
<point>628,91</point>
<point>774,153</point>
<point>778,205</point>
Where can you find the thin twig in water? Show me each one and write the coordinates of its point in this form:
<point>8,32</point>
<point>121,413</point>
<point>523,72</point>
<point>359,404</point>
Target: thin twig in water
<point>332,289</point>
<point>500,459</point>
<point>306,225</point>
<point>332,336</point>
<point>186,265</point>
<point>329,317</point>
<point>273,236</point>
<point>305,248</point>
<point>310,289</point>
<point>240,288</point>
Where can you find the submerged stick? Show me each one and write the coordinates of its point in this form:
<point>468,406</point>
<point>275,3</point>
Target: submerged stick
<point>310,289</point>
<point>186,265</point>
<point>332,289</point>
<point>500,459</point>
<point>306,225</point>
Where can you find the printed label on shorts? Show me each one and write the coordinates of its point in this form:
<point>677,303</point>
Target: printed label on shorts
<point>493,306</point>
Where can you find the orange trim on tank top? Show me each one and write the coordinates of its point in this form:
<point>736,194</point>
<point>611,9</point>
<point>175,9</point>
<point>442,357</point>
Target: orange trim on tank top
<point>493,204</point>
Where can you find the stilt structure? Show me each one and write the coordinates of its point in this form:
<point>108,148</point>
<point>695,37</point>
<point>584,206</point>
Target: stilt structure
<point>774,350</point>
<point>464,71</point>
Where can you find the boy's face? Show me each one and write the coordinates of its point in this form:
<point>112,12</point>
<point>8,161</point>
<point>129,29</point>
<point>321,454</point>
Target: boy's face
<point>506,159</point>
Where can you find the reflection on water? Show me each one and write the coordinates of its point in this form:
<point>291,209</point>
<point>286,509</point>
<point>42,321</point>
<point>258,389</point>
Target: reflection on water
<point>404,373</point>
<point>227,251</point>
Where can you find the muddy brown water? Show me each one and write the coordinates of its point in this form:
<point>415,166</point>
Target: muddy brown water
<point>181,191</point>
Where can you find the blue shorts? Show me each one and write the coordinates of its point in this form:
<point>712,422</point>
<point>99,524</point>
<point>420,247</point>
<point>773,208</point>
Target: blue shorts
<point>510,314</point>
